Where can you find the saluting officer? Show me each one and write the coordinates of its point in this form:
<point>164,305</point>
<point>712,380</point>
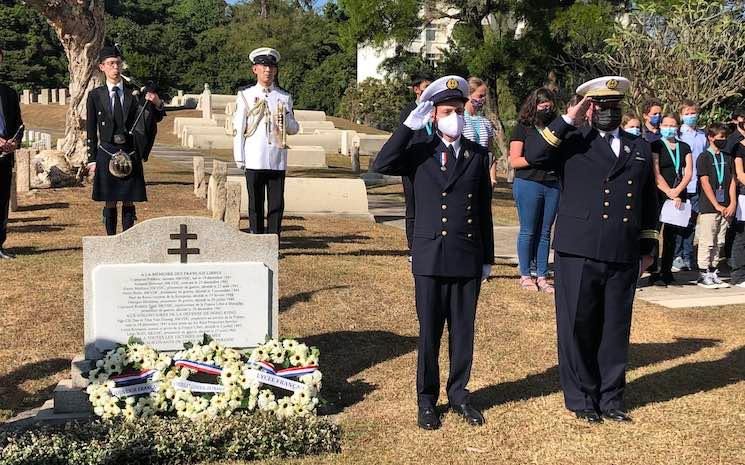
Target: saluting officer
<point>113,158</point>
<point>262,120</point>
<point>453,239</point>
<point>419,82</point>
<point>605,233</point>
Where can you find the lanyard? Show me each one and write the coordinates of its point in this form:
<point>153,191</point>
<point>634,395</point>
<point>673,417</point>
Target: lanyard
<point>476,127</point>
<point>676,158</point>
<point>719,166</point>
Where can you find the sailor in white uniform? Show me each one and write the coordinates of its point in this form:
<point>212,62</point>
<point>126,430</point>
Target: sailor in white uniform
<point>263,119</point>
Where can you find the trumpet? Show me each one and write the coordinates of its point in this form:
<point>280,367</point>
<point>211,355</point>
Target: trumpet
<point>280,125</point>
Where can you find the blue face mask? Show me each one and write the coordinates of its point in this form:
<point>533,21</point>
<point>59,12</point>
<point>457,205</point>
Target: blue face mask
<point>668,133</point>
<point>634,131</point>
<point>655,120</point>
<point>690,120</point>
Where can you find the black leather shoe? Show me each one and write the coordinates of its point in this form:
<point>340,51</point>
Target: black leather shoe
<point>616,415</point>
<point>5,255</point>
<point>472,416</point>
<point>428,419</point>
<point>589,415</point>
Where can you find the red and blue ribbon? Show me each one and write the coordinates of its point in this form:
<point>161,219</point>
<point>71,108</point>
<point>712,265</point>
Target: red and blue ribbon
<point>199,367</point>
<point>292,372</point>
<point>132,377</point>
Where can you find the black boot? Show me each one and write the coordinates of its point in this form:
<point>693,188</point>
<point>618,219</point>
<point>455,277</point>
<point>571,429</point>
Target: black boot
<point>109,220</point>
<point>128,217</point>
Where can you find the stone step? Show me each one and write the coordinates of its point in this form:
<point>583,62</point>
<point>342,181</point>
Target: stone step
<point>69,399</point>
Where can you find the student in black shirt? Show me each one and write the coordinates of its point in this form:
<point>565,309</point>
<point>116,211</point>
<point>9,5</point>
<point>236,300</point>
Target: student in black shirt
<point>536,191</point>
<point>717,204</point>
<point>736,148</point>
<point>673,169</point>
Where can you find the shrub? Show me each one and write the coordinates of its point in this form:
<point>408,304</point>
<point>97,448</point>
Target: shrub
<point>245,436</point>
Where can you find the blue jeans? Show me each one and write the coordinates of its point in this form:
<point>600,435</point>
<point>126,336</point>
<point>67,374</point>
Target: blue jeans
<point>684,240</point>
<point>536,208</point>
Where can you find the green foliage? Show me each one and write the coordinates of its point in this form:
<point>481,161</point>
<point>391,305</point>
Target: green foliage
<point>375,103</point>
<point>379,21</point>
<point>158,441</point>
<point>32,53</point>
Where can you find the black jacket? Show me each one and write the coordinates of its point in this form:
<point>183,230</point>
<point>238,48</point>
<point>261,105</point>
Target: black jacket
<point>100,122</point>
<point>608,206</point>
<point>11,111</point>
<point>453,232</point>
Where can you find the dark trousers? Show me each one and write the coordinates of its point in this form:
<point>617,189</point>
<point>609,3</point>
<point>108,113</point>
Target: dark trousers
<point>269,185</point>
<point>440,300</point>
<point>671,235</point>
<point>684,242</point>
<point>6,176</point>
<point>409,215</point>
<point>737,257</point>
<point>593,319</point>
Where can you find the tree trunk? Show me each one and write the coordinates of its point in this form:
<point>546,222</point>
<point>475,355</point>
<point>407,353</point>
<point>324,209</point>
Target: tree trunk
<point>80,27</point>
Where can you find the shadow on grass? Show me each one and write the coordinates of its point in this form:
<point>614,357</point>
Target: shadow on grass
<point>319,241</point>
<point>36,228</point>
<point>288,302</point>
<point>43,206</point>
<point>347,353</point>
<point>15,399</point>
<point>28,219</point>
<point>687,379</point>
<point>169,183</point>
<point>644,354</point>
<point>21,251</point>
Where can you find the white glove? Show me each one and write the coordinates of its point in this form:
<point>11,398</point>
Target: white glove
<point>419,116</point>
<point>485,272</point>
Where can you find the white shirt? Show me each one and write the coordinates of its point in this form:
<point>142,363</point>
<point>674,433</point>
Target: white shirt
<point>456,145</point>
<point>615,143</point>
<point>120,85</point>
<point>261,151</point>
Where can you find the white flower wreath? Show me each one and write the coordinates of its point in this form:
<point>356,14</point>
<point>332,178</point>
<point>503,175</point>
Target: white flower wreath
<point>279,363</point>
<point>127,382</point>
<point>194,399</point>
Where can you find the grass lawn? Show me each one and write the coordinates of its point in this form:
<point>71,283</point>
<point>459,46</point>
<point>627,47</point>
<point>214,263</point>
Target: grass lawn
<point>345,286</point>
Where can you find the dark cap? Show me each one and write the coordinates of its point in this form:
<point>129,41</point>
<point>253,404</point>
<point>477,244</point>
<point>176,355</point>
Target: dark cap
<point>108,52</point>
<point>418,78</point>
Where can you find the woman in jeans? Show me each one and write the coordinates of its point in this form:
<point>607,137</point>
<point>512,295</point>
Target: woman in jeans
<point>536,191</point>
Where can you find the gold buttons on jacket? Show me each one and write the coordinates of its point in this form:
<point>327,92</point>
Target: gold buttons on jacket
<point>468,208</point>
<point>444,220</point>
<point>605,216</point>
<point>470,196</point>
<point>607,204</point>
<point>444,194</point>
<point>444,233</point>
<point>470,221</point>
<point>444,207</point>
<point>469,235</point>
<point>607,191</point>
<point>625,220</point>
<point>628,207</point>
<point>630,182</point>
<point>629,194</point>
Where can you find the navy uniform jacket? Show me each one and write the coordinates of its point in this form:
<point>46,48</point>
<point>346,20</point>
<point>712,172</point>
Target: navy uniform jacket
<point>453,232</point>
<point>100,122</point>
<point>608,205</point>
<point>11,112</point>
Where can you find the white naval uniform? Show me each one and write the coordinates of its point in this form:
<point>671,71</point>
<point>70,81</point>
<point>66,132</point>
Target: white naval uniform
<point>260,151</point>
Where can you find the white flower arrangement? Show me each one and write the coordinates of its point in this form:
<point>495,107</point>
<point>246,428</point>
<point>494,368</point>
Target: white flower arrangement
<point>127,382</point>
<point>196,400</point>
<point>134,380</point>
<point>292,360</point>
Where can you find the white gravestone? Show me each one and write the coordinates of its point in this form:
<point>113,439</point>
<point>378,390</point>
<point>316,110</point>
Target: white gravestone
<point>169,280</point>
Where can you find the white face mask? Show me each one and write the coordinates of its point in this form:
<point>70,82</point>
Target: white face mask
<point>451,125</point>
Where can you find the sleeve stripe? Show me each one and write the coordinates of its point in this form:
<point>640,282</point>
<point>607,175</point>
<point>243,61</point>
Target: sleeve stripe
<point>649,234</point>
<point>549,137</point>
